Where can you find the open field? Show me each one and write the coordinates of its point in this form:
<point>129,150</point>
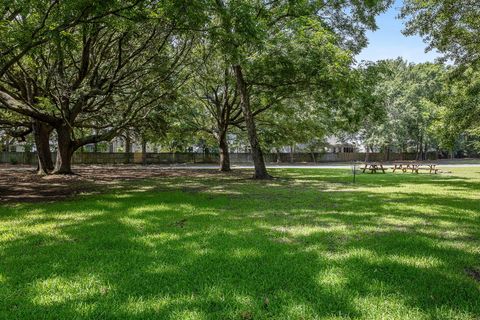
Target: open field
<point>204,245</point>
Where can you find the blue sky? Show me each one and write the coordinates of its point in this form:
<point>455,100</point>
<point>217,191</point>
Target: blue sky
<point>388,42</point>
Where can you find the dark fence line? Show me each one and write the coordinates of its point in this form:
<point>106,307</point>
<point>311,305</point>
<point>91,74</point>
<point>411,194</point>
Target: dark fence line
<point>183,157</point>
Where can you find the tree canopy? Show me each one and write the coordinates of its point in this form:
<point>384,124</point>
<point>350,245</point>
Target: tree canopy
<point>273,73</point>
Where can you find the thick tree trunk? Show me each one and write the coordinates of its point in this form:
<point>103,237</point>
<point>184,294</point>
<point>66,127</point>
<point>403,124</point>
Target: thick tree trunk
<point>223,148</point>
<point>128,147</point>
<point>257,155</point>
<point>144,152</point>
<point>41,133</point>
<point>279,158</point>
<point>65,150</point>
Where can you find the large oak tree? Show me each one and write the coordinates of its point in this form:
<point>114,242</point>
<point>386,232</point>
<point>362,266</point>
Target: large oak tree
<point>99,76</point>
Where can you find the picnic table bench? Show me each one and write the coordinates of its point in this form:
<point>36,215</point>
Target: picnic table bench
<point>373,167</point>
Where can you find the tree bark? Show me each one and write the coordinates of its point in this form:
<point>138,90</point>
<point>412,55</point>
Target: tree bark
<point>65,150</point>
<point>224,154</point>
<point>313,156</point>
<point>257,155</point>
<point>144,152</point>
<point>128,147</point>
<point>41,133</point>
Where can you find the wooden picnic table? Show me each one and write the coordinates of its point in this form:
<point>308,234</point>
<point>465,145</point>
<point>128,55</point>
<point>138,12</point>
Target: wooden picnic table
<point>373,167</point>
<point>404,166</point>
<point>414,167</point>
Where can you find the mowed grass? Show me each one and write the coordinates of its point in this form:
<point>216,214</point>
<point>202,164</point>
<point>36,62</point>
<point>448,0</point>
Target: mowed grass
<point>307,245</point>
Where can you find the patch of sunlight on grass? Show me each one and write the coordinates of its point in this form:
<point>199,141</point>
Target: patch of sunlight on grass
<point>139,305</point>
<point>460,246</point>
<point>365,254</point>
<point>307,230</point>
<point>151,208</point>
<point>142,188</point>
<point>109,204</point>
<point>223,190</point>
<point>188,315</point>
<point>138,224</point>
<point>298,311</point>
<point>398,221</point>
<point>56,290</point>
<point>158,208</point>
<point>154,240</point>
<point>123,196</point>
<point>243,300</point>
<point>161,268</point>
<point>416,261</point>
<point>332,277</point>
<point>7,234</point>
<point>387,306</point>
<point>241,253</point>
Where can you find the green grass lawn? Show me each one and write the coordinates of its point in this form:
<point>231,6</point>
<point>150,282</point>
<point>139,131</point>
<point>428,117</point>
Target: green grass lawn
<point>307,245</point>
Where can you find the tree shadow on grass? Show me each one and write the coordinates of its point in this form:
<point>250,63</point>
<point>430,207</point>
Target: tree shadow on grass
<point>240,250</point>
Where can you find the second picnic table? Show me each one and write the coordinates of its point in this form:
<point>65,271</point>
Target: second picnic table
<point>414,166</point>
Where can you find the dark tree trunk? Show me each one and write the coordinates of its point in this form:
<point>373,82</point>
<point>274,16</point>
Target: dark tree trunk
<point>420,148</point>
<point>144,152</point>
<point>313,156</point>
<point>279,157</point>
<point>65,150</point>
<point>257,155</point>
<point>223,148</point>
<point>128,147</point>
<point>41,133</point>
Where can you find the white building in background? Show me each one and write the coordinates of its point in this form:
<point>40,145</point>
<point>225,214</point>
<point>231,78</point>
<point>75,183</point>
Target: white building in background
<point>333,144</point>
<point>337,145</point>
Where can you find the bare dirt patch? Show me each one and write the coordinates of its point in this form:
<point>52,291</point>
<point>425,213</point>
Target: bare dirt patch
<point>22,184</point>
<point>474,273</point>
